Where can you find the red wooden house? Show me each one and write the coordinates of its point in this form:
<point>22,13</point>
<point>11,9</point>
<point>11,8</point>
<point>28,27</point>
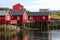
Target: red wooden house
<point>17,13</point>
<point>16,16</point>
<point>4,17</point>
<point>39,16</point>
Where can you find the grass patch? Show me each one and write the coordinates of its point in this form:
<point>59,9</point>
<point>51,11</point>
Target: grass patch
<point>55,15</point>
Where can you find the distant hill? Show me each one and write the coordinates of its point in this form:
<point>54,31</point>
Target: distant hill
<point>5,8</point>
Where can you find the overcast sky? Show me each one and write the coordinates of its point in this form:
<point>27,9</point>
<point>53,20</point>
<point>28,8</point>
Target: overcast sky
<point>32,5</point>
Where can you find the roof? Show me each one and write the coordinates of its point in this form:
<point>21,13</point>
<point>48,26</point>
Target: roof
<point>21,12</point>
<point>18,4</point>
<point>17,12</point>
<point>38,13</point>
<point>3,13</point>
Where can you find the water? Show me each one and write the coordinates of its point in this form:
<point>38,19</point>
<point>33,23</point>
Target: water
<point>54,35</point>
<point>17,36</point>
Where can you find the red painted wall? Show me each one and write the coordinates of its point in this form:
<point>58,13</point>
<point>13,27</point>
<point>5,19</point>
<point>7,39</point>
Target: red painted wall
<point>2,19</point>
<point>18,7</point>
<point>8,17</point>
<point>39,18</point>
<point>34,18</point>
<point>25,17</point>
<point>14,17</point>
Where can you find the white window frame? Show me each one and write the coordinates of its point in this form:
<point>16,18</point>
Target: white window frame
<point>43,17</point>
<point>8,17</point>
<point>18,17</point>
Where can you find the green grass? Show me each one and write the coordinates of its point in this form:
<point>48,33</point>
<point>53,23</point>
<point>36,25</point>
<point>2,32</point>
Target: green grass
<point>55,15</point>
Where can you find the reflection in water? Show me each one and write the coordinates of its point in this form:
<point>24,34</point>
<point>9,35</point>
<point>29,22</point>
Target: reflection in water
<point>40,34</point>
<point>54,34</point>
<point>17,36</point>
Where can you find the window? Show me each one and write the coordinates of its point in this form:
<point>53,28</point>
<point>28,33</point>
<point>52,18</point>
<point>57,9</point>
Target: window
<point>43,17</point>
<point>31,18</point>
<point>18,18</point>
<point>8,17</point>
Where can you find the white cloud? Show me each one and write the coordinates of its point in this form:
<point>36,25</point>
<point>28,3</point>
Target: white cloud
<point>32,5</point>
<point>36,5</point>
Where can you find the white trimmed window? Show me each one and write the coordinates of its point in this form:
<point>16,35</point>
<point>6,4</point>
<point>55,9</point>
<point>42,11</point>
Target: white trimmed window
<point>43,17</point>
<point>8,17</point>
<point>18,18</point>
<point>31,18</point>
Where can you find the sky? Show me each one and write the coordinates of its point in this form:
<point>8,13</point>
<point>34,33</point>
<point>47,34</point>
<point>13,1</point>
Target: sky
<point>33,5</point>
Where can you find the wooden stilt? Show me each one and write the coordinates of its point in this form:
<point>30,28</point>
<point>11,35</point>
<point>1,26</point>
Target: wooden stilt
<point>49,34</point>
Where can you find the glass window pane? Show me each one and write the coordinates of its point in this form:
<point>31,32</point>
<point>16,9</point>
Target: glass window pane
<point>18,18</point>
